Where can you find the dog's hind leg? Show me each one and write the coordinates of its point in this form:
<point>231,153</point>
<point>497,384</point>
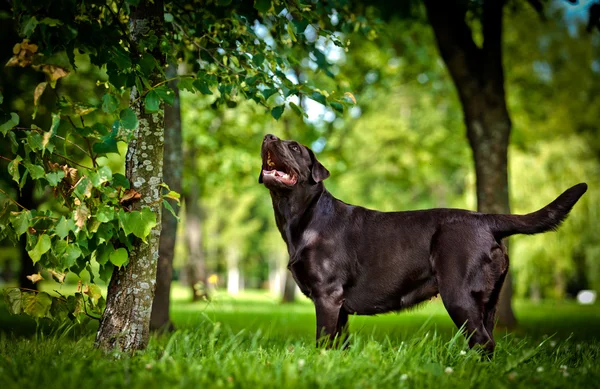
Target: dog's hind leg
<point>465,275</point>
<point>500,259</point>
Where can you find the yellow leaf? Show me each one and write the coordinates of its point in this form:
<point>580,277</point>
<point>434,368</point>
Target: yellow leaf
<point>82,213</point>
<point>17,49</point>
<point>58,276</point>
<point>47,136</point>
<point>35,278</point>
<point>39,90</point>
<point>130,195</point>
<point>12,62</point>
<point>350,96</point>
<point>70,174</point>
<point>54,73</point>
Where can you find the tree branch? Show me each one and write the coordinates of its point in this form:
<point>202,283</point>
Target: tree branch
<point>455,42</point>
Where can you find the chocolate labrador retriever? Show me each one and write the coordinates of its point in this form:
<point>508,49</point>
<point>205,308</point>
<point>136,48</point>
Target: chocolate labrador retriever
<point>352,260</point>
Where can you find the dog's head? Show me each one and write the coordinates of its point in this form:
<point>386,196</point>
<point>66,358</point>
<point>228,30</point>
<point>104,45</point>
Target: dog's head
<point>287,164</point>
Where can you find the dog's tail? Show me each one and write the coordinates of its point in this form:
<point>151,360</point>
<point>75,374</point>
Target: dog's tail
<point>548,218</point>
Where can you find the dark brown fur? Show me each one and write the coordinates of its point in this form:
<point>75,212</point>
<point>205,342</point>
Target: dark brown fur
<point>352,260</point>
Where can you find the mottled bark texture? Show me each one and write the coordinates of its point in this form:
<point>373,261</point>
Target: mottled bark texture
<point>172,169</point>
<point>125,323</point>
<point>479,78</point>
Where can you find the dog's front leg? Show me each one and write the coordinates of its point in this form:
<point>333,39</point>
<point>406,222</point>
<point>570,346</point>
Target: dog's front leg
<point>328,309</point>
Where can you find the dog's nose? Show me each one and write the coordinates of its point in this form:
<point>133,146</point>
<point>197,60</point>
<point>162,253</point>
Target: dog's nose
<point>271,137</point>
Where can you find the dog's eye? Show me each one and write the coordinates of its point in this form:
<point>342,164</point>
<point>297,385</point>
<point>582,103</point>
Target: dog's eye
<point>295,148</point>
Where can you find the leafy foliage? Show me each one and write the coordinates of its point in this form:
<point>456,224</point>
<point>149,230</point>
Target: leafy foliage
<point>233,50</point>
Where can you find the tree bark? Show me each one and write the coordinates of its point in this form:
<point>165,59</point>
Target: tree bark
<point>479,79</point>
<point>196,266</point>
<point>160,319</point>
<point>125,323</point>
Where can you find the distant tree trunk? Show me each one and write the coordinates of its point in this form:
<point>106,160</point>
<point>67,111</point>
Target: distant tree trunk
<point>196,266</point>
<point>160,319</point>
<point>479,78</point>
<point>125,323</point>
<point>289,288</point>
<point>233,271</point>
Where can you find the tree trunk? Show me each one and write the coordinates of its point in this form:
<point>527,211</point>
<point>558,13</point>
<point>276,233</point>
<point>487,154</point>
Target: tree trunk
<point>125,323</point>
<point>160,319</point>
<point>478,75</point>
<point>233,271</point>
<point>196,267</point>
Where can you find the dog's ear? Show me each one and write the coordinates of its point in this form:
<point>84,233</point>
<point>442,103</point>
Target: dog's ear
<point>318,171</point>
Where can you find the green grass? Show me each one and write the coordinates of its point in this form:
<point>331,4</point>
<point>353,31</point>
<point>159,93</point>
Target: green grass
<point>251,341</point>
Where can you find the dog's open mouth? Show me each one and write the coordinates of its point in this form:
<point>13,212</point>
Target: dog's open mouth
<point>274,169</point>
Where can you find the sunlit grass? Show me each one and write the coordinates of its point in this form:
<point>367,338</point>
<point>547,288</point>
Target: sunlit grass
<point>253,341</point>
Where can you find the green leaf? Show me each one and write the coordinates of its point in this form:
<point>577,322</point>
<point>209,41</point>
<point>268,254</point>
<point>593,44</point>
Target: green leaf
<point>119,257</point>
<point>1,98</point>
<point>297,109</point>
<point>120,180</point>
<point>202,86</point>
<point>166,94</point>
<point>108,145</point>
<point>72,253</point>
<point>268,93</point>
<point>51,22</point>
<point>128,119</point>
<point>262,6</point>
<point>152,102</point>
<point>29,26</point>
<point>35,171</point>
<point>105,232</point>
<point>147,64</point>
<point>55,178</point>
<point>109,103</point>
<point>106,271</point>
<point>42,246</point>
<point>13,168</point>
<point>258,59</point>
<point>84,188</point>
<point>290,30</point>
<point>63,227</point>
<point>59,310</point>
<point>105,214</point>
<point>169,208</point>
<point>277,111</point>
<point>10,123</point>
<point>337,106</point>
<point>186,84</point>
<point>35,141</point>
<point>318,97</point>
<point>140,223</point>
<point>20,221</point>
<point>37,304</point>
<point>169,17</point>
<point>14,300</point>
<point>104,174</point>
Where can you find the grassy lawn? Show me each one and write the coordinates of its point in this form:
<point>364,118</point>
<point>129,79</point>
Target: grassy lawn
<point>252,341</point>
